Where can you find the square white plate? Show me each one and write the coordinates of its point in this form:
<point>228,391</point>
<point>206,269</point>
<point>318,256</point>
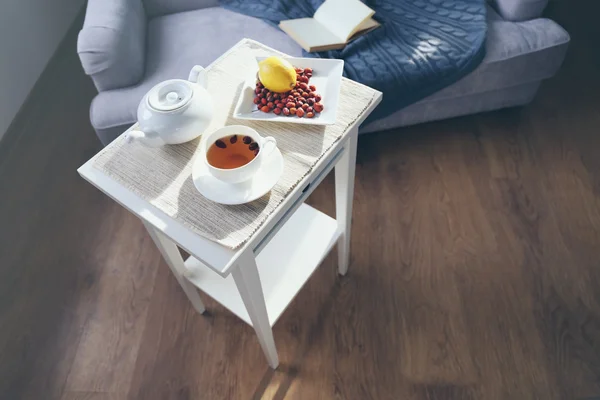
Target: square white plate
<point>327,77</point>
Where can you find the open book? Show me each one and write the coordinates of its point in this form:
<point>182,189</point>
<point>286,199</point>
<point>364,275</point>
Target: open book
<point>335,23</point>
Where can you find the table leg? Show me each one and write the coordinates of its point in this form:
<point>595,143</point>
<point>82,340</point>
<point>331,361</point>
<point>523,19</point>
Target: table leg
<point>247,280</point>
<point>171,254</point>
<point>344,193</point>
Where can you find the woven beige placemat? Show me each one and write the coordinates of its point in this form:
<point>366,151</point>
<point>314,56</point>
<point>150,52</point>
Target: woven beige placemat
<point>162,176</point>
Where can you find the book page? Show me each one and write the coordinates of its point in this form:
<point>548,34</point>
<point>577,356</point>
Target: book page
<point>368,24</point>
<point>309,33</point>
<point>364,28</point>
<point>343,17</point>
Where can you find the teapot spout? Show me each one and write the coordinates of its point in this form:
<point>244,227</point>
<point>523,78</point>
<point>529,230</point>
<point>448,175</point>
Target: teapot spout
<point>134,135</point>
<point>147,139</point>
<point>198,75</point>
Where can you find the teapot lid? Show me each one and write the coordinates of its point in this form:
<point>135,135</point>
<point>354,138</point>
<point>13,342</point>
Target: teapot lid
<point>170,95</point>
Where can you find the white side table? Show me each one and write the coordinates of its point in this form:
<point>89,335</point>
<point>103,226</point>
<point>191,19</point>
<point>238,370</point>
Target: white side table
<point>260,279</point>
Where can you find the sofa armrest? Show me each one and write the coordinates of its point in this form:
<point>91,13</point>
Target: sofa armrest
<point>112,43</point>
<point>519,10</point>
<point>156,8</point>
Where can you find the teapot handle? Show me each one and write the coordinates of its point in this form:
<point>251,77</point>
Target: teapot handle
<point>198,75</point>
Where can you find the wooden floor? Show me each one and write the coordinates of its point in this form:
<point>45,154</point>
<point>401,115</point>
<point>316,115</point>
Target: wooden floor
<point>475,265</point>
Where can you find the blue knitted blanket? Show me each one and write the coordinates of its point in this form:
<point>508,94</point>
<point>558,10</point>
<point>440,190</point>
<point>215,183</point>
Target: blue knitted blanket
<point>421,47</point>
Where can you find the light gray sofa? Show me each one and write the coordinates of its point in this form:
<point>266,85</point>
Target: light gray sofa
<point>127,46</point>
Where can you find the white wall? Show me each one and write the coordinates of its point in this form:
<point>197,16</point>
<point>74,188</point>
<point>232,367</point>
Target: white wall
<point>30,32</point>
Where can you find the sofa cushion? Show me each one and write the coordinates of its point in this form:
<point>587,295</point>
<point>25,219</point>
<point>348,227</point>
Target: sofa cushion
<point>492,15</point>
<point>520,10</point>
<point>453,107</point>
<point>176,43</point>
<point>155,8</point>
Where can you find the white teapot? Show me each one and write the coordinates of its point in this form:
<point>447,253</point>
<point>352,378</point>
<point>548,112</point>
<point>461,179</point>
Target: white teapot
<point>174,111</point>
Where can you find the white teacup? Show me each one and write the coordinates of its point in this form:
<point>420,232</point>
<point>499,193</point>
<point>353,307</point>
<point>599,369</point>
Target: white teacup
<point>266,145</point>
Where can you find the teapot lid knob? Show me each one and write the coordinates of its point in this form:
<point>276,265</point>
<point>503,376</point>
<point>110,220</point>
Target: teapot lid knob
<point>170,95</point>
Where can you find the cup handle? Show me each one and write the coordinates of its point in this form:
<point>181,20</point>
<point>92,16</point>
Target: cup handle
<point>269,144</point>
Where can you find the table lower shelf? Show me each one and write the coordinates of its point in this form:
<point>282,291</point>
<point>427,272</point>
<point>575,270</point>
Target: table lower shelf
<point>284,265</point>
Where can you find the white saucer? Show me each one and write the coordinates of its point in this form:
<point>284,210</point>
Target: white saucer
<point>239,193</point>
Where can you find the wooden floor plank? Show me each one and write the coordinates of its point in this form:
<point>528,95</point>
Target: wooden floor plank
<point>92,396</point>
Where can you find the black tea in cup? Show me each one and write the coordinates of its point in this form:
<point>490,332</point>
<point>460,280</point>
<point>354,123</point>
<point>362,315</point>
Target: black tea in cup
<point>232,152</point>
